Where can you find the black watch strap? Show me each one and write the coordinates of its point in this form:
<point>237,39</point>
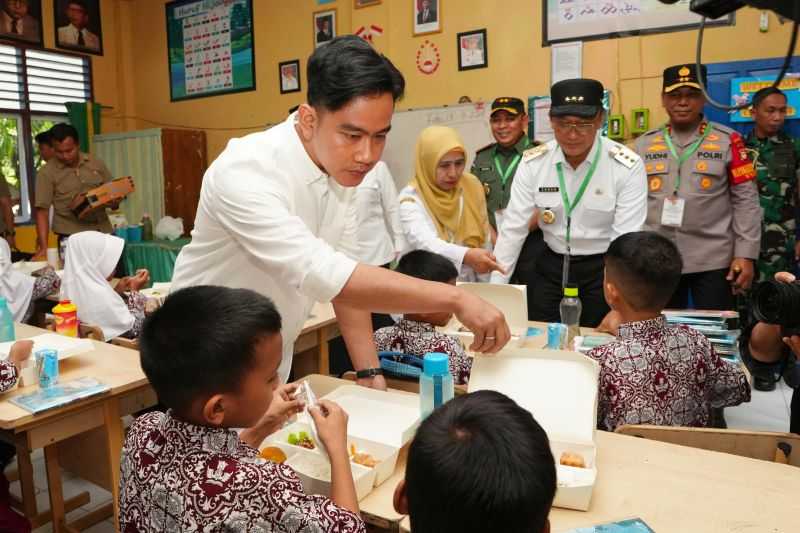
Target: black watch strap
<point>369,372</point>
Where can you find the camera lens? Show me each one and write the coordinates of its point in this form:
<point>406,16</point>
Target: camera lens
<point>777,303</point>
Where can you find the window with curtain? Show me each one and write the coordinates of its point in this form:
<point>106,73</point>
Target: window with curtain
<point>35,84</point>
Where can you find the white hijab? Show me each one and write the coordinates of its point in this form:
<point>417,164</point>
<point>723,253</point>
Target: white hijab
<point>91,259</point>
<point>15,287</point>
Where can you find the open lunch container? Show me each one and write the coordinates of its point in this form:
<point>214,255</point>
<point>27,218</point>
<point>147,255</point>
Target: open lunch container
<point>560,389</point>
<point>379,424</point>
<point>512,300</point>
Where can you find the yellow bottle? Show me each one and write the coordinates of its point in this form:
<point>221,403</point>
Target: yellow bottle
<point>66,318</point>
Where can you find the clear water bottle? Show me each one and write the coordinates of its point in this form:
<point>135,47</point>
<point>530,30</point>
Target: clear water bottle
<point>6,322</point>
<point>435,383</point>
<point>570,308</point>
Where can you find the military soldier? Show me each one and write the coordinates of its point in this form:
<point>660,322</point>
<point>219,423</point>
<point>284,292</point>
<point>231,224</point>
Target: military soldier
<point>586,190</point>
<point>702,195</point>
<point>495,165</point>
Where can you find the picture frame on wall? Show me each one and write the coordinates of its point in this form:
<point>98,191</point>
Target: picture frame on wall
<point>289,74</point>
<point>358,4</point>
<point>427,16</point>
<point>473,51</point>
<point>210,48</point>
<point>324,26</point>
<point>21,21</point>
<point>640,122</point>
<point>78,25</point>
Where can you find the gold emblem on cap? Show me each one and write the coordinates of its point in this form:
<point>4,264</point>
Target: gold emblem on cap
<point>548,217</point>
<point>684,71</point>
<point>573,99</point>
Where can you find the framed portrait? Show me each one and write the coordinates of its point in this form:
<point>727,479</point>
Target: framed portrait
<point>616,127</point>
<point>365,3</point>
<point>472,50</point>
<point>289,73</point>
<point>210,48</point>
<point>640,122</point>
<point>427,16</point>
<point>324,26</point>
<point>21,20</point>
<point>78,25</point>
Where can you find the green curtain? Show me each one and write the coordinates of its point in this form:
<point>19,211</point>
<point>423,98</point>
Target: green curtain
<point>79,117</point>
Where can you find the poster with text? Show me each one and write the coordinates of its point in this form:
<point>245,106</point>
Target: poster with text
<point>743,89</point>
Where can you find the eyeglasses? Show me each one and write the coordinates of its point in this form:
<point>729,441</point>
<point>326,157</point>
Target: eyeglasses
<point>581,128</point>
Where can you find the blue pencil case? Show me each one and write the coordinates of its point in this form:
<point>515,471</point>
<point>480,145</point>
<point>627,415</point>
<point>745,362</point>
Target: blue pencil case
<point>401,365</point>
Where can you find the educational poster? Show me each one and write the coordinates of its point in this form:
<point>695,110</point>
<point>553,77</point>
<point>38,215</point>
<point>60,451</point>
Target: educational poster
<point>210,47</point>
<point>743,89</point>
<point>570,20</point>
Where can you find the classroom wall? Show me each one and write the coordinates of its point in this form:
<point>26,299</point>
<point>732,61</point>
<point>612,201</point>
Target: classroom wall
<point>518,64</point>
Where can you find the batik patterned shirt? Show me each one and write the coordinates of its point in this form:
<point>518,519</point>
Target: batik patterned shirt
<point>664,375</point>
<point>418,338</point>
<point>8,375</point>
<point>181,477</point>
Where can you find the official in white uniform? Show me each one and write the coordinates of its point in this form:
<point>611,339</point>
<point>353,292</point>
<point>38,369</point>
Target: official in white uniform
<point>443,209</point>
<point>276,214</point>
<point>588,190</point>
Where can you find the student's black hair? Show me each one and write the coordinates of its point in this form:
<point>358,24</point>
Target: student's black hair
<point>428,266</point>
<point>45,137</point>
<point>762,94</point>
<point>62,130</point>
<point>346,68</point>
<point>202,341</point>
<point>480,463</point>
<point>646,268</point>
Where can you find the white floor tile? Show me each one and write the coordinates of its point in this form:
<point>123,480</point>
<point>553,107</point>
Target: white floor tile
<point>766,411</point>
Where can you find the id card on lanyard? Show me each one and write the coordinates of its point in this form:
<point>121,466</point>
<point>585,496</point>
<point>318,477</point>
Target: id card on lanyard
<point>673,208</point>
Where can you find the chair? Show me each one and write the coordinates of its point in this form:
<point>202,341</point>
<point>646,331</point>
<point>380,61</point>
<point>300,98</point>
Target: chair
<point>763,445</point>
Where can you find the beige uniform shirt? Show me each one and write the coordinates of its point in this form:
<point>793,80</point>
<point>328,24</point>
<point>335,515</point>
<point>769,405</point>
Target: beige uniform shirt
<point>57,185</point>
<point>722,215</point>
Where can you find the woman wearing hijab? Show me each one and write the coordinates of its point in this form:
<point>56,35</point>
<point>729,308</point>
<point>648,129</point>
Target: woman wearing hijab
<point>443,209</point>
<point>91,259</point>
<point>21,290</point>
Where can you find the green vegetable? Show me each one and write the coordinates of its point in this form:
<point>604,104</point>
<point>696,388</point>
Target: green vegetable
<point>304,436</point>
<point>293,439</point>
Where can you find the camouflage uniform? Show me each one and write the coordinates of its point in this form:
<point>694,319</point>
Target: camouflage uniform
<point>777,160</point>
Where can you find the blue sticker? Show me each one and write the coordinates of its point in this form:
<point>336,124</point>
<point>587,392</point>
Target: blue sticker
<point>532,332</point>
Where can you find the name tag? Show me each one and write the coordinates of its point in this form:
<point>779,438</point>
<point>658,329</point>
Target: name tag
<point>672,214</point>
<point>656,156</point>
<point>714,156</point>
<point>548,189</point>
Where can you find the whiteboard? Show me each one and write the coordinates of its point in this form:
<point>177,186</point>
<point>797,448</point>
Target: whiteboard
<point>470,120</point>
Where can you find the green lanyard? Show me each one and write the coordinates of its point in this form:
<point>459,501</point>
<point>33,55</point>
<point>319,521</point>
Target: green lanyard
<point>689,152</point>
<point>510,168</point>
<point>569,207</point>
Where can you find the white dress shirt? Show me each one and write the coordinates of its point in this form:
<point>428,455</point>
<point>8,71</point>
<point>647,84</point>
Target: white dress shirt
<point>420,231</point>
<point>69,35</point>
<point>380,235</point>
<point>270,220</point>
<point>614,203</point>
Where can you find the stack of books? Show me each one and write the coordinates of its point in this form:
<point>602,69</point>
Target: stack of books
<point>722,328</point>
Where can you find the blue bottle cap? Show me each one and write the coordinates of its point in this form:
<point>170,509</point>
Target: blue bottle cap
<point>436,364</point>
<point>2,300</point>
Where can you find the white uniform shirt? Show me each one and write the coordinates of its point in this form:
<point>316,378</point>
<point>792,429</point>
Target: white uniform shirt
<point>270,220</point>
<point>69,35</point>
<point>380,235</point>
<point>420,231</point>
<point>614,203</point>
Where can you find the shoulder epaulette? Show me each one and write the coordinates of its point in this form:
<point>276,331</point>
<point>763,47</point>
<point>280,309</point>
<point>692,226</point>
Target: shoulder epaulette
<point>534,152</point>
<point>479,150</point>
<point>623,154</point>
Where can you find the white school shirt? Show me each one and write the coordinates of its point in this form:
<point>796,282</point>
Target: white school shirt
<point>270,220</point>
<point>420,231</point>
<point>614,203</point>
<point>380,235</point>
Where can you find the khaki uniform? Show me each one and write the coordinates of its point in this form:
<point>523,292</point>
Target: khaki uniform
<point>57,185</point>
<point>722,216</point>
<point>4,193</point>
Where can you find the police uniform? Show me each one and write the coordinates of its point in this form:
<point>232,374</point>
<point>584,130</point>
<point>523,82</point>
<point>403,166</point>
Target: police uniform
<point>715,185</point>
<point>776,160</point>
<point>492,163</point>
<point>614,202</point>
<point>58,184</point>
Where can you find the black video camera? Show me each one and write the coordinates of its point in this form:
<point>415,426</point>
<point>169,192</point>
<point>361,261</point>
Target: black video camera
<point>775,302</point>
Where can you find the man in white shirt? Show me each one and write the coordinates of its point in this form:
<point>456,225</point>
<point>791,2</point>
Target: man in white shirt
<point>380,235</point>
<point>276,214</point>
<point>588,190</point>
<point>76,32</point>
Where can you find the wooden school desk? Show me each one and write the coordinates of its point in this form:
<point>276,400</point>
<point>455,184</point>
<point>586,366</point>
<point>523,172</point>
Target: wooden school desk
<point>130,392</point>
<point>320,327</point>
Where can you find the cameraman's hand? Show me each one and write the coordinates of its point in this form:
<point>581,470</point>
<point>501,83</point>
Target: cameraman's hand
<point>793,343</point>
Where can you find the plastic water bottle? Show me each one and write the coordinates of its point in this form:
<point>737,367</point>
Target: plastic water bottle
<point>570,308</point>
<point>6,322</point>
<point>147,228</point>
<point>435,383</point>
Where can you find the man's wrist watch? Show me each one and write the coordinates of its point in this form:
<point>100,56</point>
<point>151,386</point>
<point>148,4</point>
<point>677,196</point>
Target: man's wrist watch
<point>369,373</point>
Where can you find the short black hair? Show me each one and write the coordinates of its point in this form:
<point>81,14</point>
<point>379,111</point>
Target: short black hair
<point>62,130</point>
<point>79,3</point>
<point>202,342</point>
<point>45,137</point>
<point>646,267</point>
<point>480,463</point>
<point>428,266</point>
<point>346,68</point>
<point>762,94</point>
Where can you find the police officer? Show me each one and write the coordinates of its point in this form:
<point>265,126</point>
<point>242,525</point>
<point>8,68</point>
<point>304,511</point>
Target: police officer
<point>495,165</point>
<point>587,190</point>
<point>702,195</point>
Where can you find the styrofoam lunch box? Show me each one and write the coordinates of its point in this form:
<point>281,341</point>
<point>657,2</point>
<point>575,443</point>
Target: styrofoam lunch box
<point>560,389</point>
<point>303,461</point>
<point>511,299</point>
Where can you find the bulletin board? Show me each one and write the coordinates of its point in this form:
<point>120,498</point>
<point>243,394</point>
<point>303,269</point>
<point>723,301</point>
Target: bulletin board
<point>571,20</point>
